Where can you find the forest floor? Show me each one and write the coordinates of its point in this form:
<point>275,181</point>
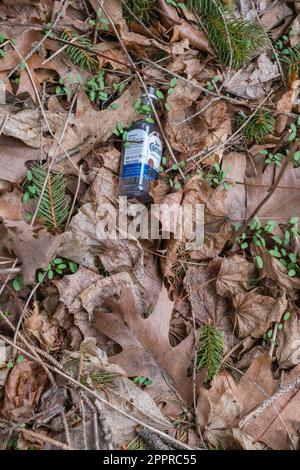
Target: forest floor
<point>143,343</point>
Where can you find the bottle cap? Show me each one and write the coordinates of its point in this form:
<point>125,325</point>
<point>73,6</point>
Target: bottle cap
<point>151,92</point>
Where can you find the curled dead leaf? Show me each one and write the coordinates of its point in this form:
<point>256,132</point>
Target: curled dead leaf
<point>23,390</point>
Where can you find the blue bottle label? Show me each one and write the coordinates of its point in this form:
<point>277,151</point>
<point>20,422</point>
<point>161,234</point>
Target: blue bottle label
<point>142,155</point>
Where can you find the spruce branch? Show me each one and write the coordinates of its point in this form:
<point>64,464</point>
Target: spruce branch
<point>80,52</point>
<point>259,126</point>
<point>210,350</point>
<point>234,39</point>
<point>54,206</point>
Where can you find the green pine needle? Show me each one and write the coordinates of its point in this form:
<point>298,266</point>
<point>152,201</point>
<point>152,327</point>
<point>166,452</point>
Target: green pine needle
<point>234,39</point>
<point>210,350</point>
<point>54,206</point>
<point>81,53</point>
<point>259,126</point>
<point>144,10</point>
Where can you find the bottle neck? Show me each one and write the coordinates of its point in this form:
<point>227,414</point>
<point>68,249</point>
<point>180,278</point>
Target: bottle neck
<point>147,99</point>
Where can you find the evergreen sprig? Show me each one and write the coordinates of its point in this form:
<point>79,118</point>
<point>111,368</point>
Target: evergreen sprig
<point>210,350</point>
<point>81,53</point>
<point>291,61</point>
<point>144,10</point>
<point>259,126</point>
<point>234,39</point>
<point>54,205</point>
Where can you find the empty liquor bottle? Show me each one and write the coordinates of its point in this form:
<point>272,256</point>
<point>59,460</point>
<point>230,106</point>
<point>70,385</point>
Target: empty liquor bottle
<point>142,152</point>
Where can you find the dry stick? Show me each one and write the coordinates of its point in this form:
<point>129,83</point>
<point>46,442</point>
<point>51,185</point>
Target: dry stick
<point>93,409</point>
<point>4,123</point>
<point>266,395</point>
<point>272,190</point>
<point>269,402</point>
<point>273,340</point>
<point>191,299</point>
<point>98,397</point>
<point>82,409</point>
<point>145,88</point>
<point>74,199</point>
<point>42,437</point>
<point>66,428</point>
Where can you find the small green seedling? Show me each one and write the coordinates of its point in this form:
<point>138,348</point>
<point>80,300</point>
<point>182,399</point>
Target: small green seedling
<point>276,246</point>
<point>64,88</point>
<point>219,177</point>
<point>122,133</point>
<point>142,381</point>
<point>95,87</point>
<point>58,267</point>
<point>17,283</point>
<point>211,84</point>
<point>272,158</point>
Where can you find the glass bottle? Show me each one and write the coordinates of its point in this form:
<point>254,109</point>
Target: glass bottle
<point>141,155</point>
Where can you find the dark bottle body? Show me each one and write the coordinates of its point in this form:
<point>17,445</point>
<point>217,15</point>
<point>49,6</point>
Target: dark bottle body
<point>141,159</point>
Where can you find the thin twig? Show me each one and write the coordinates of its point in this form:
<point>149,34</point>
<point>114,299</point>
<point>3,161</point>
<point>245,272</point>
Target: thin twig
<point>269,402</point>
<point>75,197</point>
<point>98,397</point>
<point>273,340</point>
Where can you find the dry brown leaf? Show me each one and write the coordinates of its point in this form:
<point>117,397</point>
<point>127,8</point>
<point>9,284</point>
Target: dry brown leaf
<point>219,408</point>
<point>34,250</point>
<point>285,105</point>
<point>254,312</point>
<point>11,207</point>
<point>284,202</point>
<point>217,125</point>
<point>235,165</point>
<point>182,28</point>
<point>24,43</point>
<point>274,270</point>
<point>278,425</point>
<point>14,154</point>
<point>71,286</point>
<point>275,14</point>
<point>24,125</point>
<point>34,63</point>
<point>39,325</point>
<point>217,228</point>
<point>95,127</point>
<point>257,383</point>
<point>145,342</point>
<point>200,283</point>
<point>23,389</point>
<point>235,276</point>
<point>253,81</point>
<point>183,135</point>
